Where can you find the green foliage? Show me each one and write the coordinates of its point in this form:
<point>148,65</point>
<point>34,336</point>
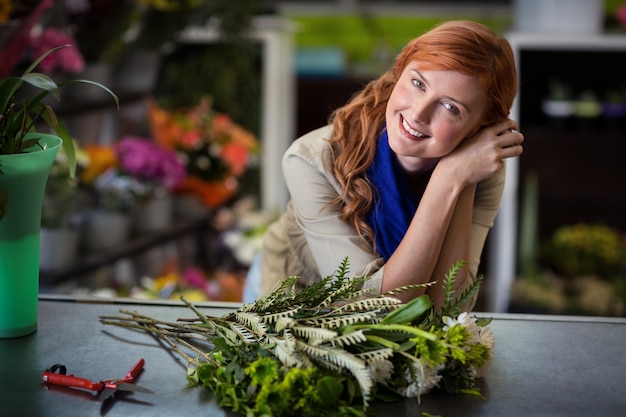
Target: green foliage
<point>581,249</point>
<point>329,349</point>
<point>19,116</point>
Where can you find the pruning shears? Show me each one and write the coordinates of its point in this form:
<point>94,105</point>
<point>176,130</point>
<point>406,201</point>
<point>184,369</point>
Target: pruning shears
<point>56,374</point>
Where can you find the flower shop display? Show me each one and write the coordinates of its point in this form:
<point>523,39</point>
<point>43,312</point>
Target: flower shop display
<point>192,283</point>
<point>66,60</point>
<point>130,179</point>
<point>582,272</point>
<point>62,215</point>
<point>330,349</point>
<point>614,107</point>
<point>26,156</point>
<point>114,196</point>
<point>559,104</point>
<point>243,227</point>
<point>17,18</point>
<point>216,151</point>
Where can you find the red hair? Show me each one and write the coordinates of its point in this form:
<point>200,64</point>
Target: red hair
<point>463,46</point>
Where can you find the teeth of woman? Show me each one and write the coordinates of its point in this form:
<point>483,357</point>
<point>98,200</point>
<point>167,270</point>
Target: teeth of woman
<point>411,131</point>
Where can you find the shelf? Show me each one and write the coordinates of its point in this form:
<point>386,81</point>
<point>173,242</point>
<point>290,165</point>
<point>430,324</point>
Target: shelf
<point>198,227</point>
<point>580,168</point>
<point>580,173</point>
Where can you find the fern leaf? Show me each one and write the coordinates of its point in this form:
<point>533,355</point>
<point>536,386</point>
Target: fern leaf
<point>244,334</point>
<point>448,284</point>
<point>316,335</point>
<point>252,322</point>
<point>345,320</point>
<point>283,323</point>
<point>462,301</point>
<point>273,317</point>
<point>370,304</point>
<point>406,288</point>
<point>280,294</point>
<point>285,353</point>
<point>348,339</point>
<point>338,357</point>
<point>375,356</point>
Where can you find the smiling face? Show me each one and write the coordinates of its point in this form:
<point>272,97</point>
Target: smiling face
<point>430,112</point>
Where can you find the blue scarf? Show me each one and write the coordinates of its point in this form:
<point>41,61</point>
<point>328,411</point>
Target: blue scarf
<point>395,202</point>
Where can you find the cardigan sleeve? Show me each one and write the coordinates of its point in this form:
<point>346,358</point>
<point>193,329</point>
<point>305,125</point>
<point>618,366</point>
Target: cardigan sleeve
<point>329,238</point>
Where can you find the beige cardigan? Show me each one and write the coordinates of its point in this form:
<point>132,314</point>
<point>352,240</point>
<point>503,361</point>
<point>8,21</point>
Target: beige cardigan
<point>310,239</point>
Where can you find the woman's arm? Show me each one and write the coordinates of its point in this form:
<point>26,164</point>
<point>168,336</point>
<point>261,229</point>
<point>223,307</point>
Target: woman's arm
<point>440,232</point>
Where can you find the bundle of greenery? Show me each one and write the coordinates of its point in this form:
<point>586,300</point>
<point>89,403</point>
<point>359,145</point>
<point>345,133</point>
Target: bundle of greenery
<point>329,349</point>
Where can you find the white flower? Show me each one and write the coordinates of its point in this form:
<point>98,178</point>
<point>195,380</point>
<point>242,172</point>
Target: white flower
<point>485,337</point>
<point>381,371</point>
<point>463,319</point>
<point>427,378</point>
<point>410,391</point>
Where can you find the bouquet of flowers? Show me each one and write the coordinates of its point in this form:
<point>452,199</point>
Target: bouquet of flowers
<point>68,60</point>
<point>132,170</point>
<point>192,283</point>
<point>329,349</point>
<point>215,150</point>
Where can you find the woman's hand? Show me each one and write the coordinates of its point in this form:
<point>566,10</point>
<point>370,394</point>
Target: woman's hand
<point>483,154</point>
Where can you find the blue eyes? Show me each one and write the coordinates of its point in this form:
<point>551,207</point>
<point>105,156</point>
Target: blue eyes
<point>449,107</point>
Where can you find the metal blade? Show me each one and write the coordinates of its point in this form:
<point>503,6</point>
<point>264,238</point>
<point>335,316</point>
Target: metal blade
<point>106,394</point>
<point>125,386</point>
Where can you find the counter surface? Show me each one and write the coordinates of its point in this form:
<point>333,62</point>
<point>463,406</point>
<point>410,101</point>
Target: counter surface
<point>543,366</point>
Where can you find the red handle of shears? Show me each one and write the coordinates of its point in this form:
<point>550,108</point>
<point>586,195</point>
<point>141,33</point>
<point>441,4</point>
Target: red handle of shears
<point>72,381</point>
<point>134,371</point>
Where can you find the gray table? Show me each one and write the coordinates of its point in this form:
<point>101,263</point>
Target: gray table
<point>543,366</point>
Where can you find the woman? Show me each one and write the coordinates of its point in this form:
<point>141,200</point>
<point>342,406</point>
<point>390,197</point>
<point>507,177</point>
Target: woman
<point>407,178</point>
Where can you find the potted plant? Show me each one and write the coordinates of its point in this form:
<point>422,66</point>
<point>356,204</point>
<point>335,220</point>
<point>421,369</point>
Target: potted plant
<point>558,105</point>
<point>26,156</point>
<point>614,108</point>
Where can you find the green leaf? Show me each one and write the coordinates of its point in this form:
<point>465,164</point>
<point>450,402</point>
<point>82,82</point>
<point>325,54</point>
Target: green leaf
<point>409,312</point>
<point>105,88</point>
<point>43,56</point>
<point>329,390</point>
<point>43,82</point>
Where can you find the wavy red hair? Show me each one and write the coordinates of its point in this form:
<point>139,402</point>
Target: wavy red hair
<point>464,46</point>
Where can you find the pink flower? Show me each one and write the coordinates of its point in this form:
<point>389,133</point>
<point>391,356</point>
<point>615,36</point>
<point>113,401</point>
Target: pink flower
<point>147,161</point>
<point>620,14</point>
<point>65,59</point>
<point>194,278</point>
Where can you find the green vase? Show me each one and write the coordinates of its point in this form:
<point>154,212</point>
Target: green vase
<point>24,180</point>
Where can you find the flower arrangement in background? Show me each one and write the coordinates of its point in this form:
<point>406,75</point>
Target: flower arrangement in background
<point>130,171</point>
<point>192,283</point>
<point>148,162</point>
<point>68,60</point>
<point>215,150</point>
<point>243,228</point>
<point>583,249</point>
<point>583,271</point>
<point>620,14</point>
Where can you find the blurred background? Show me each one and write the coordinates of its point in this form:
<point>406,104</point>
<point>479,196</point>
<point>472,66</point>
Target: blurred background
<point>175,188</point>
